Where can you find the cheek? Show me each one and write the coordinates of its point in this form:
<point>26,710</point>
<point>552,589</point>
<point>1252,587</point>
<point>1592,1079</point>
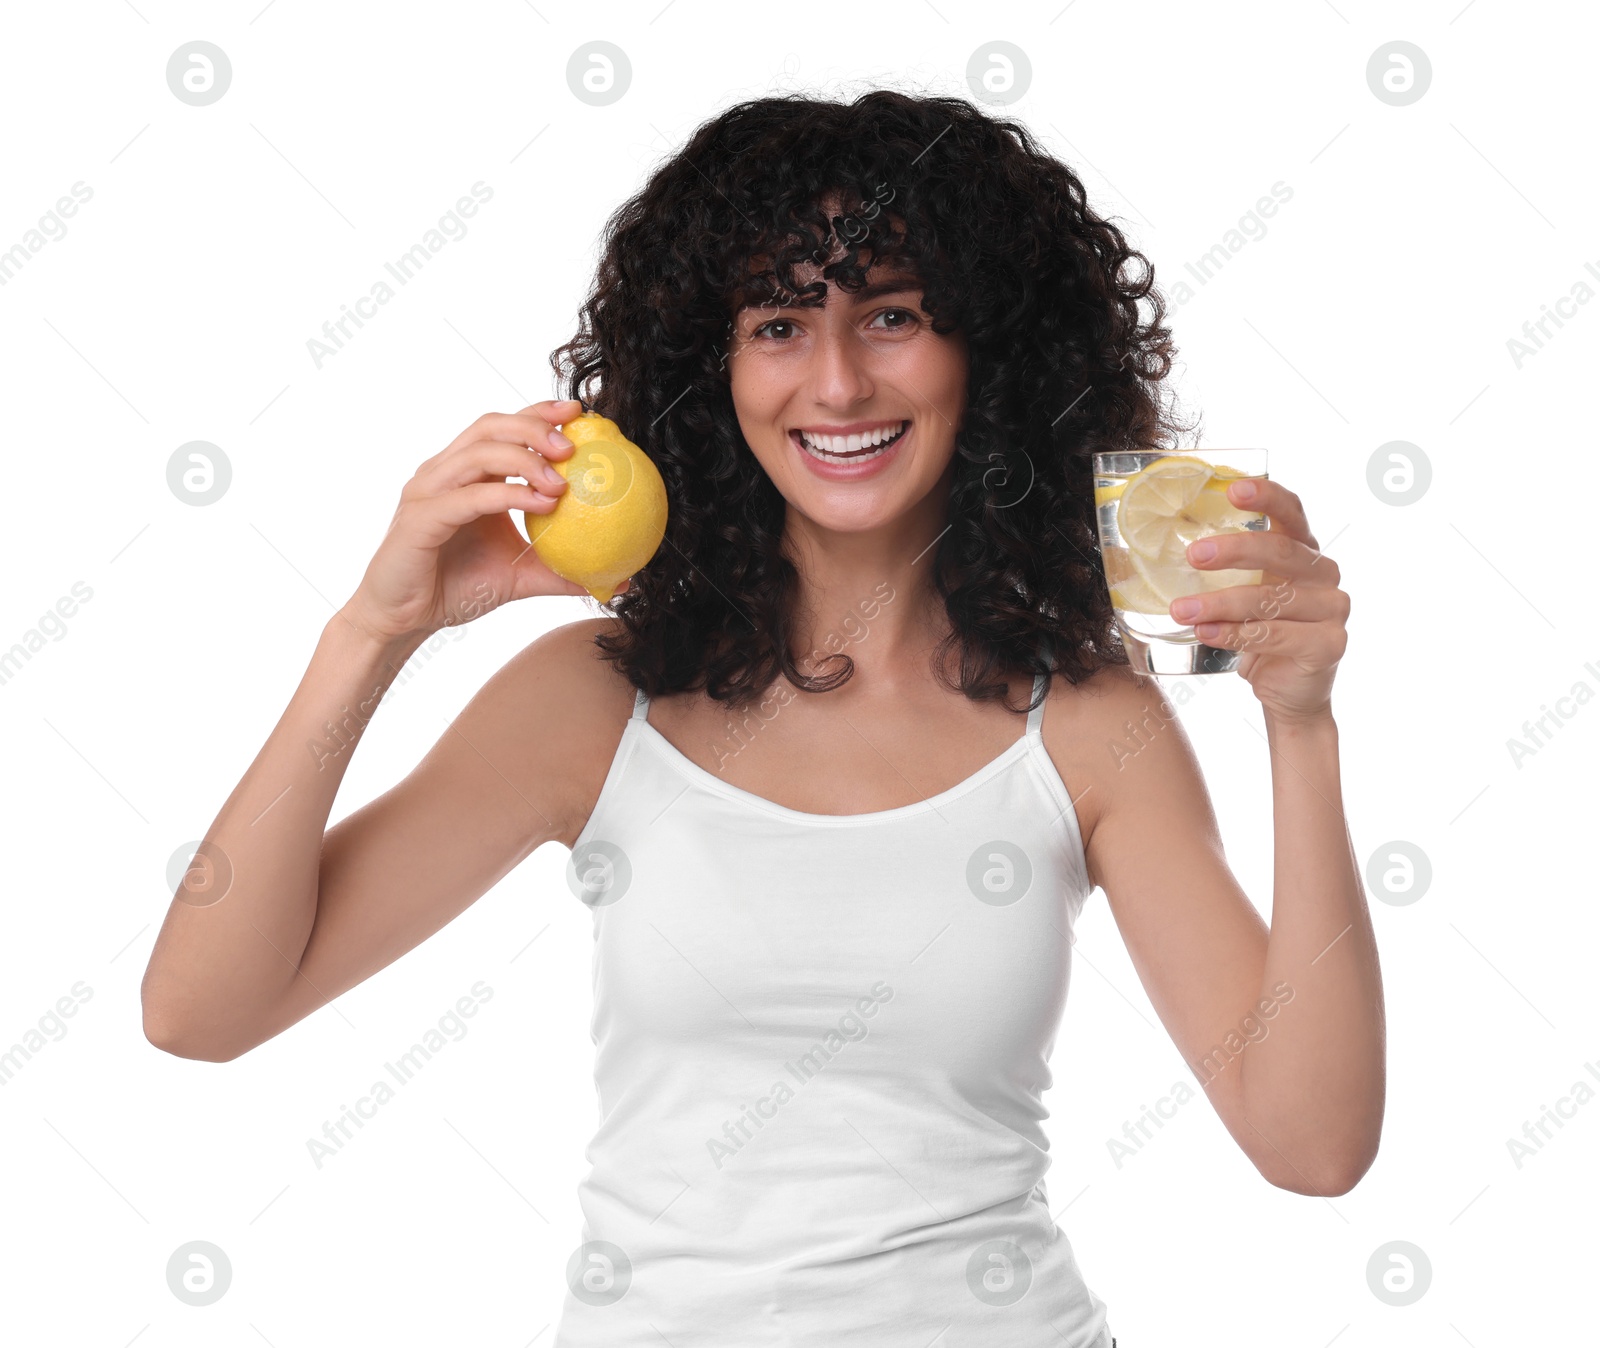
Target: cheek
<point>939,365</point>
<point>755,385</point>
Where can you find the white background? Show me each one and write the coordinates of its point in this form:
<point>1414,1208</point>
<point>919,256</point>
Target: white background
<point>178,306</point>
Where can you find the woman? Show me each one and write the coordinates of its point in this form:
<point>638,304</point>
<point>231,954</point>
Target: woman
<point>870,347</point>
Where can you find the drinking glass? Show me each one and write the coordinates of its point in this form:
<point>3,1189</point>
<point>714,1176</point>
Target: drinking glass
<point>1149,506</point>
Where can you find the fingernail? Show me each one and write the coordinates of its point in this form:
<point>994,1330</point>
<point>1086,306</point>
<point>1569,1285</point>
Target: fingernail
<point>553,478</point>
<point>560,441</point>
<point>1205,631</point>
<point>1184,609</point>
<point>1244,490</point>
<point>1203,551</point>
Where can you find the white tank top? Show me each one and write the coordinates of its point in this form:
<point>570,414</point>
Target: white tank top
<point>820,1046</point>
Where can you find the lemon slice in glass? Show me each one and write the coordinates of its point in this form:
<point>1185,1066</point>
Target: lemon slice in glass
<point>1163,508</point>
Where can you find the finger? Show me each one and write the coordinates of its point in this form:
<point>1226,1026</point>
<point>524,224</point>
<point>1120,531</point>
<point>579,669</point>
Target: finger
<point>431,521</point>
<point>481,461</point>
<point>551,414</point>
<point>1256,550</point>
<point>1283,509</point>
<point>1283,599</point>
<point>1315,645</point>
<point>531,576</point>
<point>532,426</point>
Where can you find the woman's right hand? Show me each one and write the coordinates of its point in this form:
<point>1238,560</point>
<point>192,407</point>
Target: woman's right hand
<point>452,553</point>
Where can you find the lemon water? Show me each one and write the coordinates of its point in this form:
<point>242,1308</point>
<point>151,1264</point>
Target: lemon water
<point>1149,507</point>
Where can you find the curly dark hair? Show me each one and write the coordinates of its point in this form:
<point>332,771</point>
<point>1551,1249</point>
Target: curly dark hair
<point>1001,237</point>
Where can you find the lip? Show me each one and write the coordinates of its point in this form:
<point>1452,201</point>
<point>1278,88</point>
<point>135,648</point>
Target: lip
<point>852,472</point>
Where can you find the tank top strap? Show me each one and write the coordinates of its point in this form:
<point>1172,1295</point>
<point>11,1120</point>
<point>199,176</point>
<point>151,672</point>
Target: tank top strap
<point>641,705</point>
<point>1041,683</point>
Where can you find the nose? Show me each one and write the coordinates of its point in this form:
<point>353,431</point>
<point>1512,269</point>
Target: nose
<point>839,376</point>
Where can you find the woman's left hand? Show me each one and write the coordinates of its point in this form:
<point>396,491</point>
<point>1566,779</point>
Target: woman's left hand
<point>1291,627</point>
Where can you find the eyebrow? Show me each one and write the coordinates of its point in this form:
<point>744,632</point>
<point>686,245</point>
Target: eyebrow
<point>890,286</point>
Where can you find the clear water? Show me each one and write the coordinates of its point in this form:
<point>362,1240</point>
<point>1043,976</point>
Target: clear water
<point>1123,577</point>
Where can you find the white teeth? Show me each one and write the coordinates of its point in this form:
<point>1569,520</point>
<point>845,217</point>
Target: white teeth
<point>851,448</point>
<point>851,444</point>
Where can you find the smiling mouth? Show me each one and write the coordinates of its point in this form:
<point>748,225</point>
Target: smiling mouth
<point>847,455</point>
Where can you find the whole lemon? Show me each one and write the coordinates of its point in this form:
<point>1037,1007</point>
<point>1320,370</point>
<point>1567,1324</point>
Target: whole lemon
<point>612,516</point>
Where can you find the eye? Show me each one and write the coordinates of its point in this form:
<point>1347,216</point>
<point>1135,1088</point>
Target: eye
<point>772,323</point>
<point>909,316</point>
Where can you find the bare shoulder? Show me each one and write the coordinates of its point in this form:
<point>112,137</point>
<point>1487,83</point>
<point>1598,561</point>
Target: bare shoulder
<point>1094,729</point>
<point>561,702</point>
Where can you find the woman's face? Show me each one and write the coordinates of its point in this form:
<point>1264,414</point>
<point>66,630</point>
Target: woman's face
<point>852,371</point>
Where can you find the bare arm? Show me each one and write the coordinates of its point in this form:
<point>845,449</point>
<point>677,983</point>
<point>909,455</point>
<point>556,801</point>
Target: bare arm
<point>312,915</point>
<point>236,928</point>
<point>1315,1088</point>
<point>1295,1012</point>
<point>277,919</point>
